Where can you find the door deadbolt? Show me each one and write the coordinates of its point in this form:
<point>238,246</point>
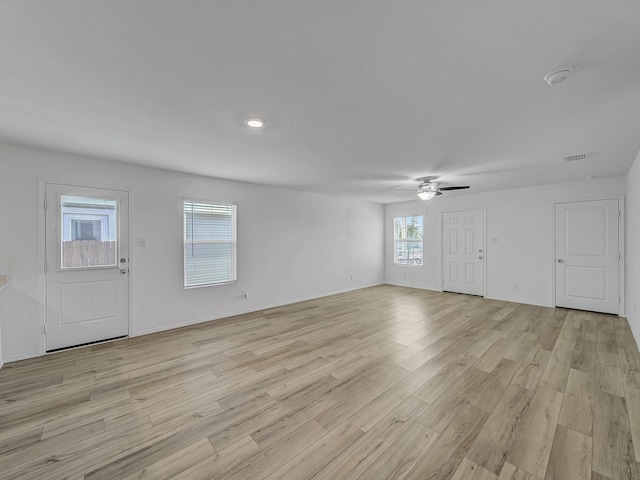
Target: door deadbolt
<point>123,260</point>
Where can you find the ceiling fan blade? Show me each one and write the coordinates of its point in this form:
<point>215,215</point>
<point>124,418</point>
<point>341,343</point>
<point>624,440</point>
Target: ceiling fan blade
<point>459,187</point>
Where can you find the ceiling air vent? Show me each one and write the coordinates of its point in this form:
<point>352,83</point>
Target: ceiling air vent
<point>575,158</point>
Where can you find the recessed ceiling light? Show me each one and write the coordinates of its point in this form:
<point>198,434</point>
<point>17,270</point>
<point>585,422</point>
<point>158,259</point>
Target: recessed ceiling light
<point>557,76</point>
<point>254,122</point>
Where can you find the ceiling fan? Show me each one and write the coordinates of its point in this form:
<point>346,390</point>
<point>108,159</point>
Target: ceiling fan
<point>429,189</point>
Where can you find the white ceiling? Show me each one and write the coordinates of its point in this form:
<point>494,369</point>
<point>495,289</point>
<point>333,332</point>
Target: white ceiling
<point>360,97</point>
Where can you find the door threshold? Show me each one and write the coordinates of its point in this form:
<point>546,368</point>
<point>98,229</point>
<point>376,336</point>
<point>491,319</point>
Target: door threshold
<point>462,293</point>
<point>587,310</point>
<point>86,344</point>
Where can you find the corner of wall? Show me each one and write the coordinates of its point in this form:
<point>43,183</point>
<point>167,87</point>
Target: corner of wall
<point>633,249</point>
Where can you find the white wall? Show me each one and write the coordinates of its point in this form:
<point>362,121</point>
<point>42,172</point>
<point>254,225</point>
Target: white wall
<point>633,248</point>
<point>521,222</point>
<point>291,245</point>
<point>1,357</point>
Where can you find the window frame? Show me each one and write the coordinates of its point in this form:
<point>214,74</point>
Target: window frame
<point>407,240</point>
<point>233,242</point>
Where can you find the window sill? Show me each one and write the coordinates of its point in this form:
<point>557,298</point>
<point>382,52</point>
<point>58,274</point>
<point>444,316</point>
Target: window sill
<point>189,287</point>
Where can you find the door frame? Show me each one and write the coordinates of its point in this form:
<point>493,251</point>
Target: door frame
<point>621,246</point>
<point>484,241</point>
<point>42,183</point>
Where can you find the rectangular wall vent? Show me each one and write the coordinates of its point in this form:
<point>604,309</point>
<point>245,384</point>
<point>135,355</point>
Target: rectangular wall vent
<point>575,158</point>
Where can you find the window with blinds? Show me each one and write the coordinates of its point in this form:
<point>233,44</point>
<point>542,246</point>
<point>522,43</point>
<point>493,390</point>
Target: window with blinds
<point>209,243</point>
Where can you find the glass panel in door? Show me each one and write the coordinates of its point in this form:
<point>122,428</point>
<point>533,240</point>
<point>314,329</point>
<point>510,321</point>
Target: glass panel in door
<point>89,232</point>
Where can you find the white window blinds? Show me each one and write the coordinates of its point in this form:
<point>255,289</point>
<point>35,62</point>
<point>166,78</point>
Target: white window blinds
<point>209,243</point>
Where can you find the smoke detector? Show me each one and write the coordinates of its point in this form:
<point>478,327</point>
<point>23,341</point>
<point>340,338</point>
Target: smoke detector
<point>557,76</point>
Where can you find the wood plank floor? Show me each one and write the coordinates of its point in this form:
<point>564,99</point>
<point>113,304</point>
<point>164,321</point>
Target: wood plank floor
<point>380,383</point>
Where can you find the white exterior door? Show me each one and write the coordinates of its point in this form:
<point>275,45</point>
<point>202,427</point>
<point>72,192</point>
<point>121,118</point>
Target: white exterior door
<point>463,252</point>
<point>87,265</point>
<point>587,255</point>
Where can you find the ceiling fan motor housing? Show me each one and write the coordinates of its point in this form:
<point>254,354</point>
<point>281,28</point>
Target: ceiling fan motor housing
<point>434,187</point>
<point>429,186</point>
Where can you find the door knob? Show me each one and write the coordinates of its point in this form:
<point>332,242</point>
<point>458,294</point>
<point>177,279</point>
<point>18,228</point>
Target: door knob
<point>560,260</point>
<point>123,271</point>
<point>480,258</point>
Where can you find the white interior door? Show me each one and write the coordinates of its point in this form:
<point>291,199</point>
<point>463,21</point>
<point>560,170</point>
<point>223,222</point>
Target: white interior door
<point>87,265</point>
<point>463,252</point>
<point>587,255</point>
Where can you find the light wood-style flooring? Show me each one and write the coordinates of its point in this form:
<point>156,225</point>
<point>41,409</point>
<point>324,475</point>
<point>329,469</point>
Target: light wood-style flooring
<point>380,383</point>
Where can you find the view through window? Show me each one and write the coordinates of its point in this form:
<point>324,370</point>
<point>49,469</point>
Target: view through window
<point>89,232</point>
<point>408,238</point>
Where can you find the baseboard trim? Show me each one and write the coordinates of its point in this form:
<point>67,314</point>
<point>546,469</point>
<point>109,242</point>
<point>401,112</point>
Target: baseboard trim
<point>412,286</point>
<point>244,311</point>
<point>25,356</point>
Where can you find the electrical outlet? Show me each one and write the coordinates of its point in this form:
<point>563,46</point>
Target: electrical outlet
<point>350,277</point>
<point>516,286</point>
<point>245,294</point>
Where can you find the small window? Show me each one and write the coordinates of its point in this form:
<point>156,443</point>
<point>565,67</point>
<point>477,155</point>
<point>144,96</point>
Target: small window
<point>209,243</point>
<point>407,243</point>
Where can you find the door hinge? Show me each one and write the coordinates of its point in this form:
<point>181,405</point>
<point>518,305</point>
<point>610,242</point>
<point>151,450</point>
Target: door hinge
<point>45,267</point>
<point>45,204</point>
<point>44,328</point>
<point>619,256</point>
